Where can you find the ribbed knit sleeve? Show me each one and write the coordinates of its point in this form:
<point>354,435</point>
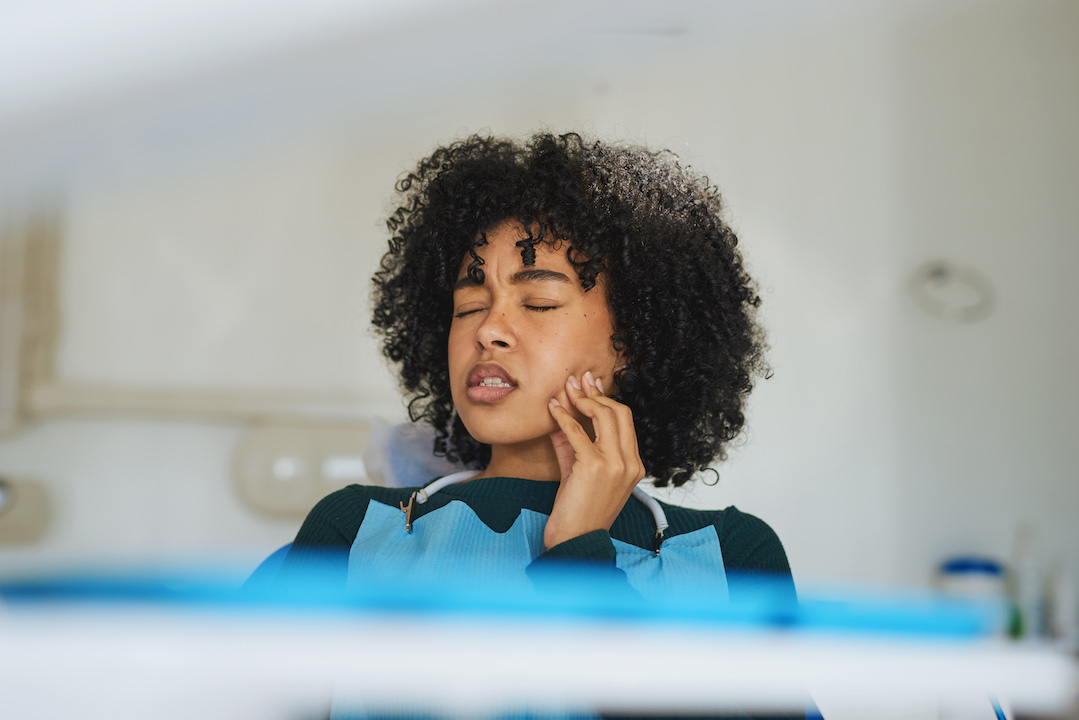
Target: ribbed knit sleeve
<point>751,547</point>
<point>595,546</point>
<point>594,550</point>
<point>335,519</point>
<point>749,544</point>
<point>324,539</point>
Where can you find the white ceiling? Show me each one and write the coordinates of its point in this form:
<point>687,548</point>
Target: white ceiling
<point>82,81</point>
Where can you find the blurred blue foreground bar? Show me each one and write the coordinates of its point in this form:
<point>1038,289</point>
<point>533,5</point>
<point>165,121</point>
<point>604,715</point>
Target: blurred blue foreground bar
<point>177,644</point>
<point>757,603</point>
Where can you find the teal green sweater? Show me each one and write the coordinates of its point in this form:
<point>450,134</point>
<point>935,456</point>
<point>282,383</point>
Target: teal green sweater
<point>748,545</point>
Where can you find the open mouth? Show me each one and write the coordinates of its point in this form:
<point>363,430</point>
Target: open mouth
<point>490,375</point>
<point>488,382</point>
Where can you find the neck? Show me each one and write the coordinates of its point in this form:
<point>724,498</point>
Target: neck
<point>532,460</point>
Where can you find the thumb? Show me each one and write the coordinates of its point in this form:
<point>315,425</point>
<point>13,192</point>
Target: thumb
<point>564,452</point>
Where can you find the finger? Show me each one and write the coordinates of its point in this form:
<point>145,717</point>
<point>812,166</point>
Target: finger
<point>612,421</point>
<point>591,385</point>
<point>563,452</point>
<point>579,393</point>
<point>604,423</point>
<point>590,402</point>
<point>586,389</point>
<point>594,381</point>
<point>615,438</point>
<point>576,388</point>
<point>575,391</point>
<point>627,431</point>
<point>627,436</point>
<point>575,434</point>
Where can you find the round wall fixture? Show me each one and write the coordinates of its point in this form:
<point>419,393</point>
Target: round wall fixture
<point>953,293</point>
<point>25,511</point>
<point>7,496</point>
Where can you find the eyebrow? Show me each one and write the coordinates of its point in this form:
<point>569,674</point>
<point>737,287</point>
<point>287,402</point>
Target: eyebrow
<point>521,276</point>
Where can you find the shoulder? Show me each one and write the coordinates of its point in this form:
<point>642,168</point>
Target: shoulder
<point>751,543</point>
<point>321,546</point>
<point>337,517</point>
<point>355,497</point>
<point>748,543</point>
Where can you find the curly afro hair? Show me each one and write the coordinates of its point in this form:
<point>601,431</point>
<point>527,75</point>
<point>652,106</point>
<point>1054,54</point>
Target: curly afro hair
<point>683,307</point>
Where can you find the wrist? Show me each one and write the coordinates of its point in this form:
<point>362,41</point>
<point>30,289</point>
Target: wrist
<point>557,533</point>
<point>594,545</point>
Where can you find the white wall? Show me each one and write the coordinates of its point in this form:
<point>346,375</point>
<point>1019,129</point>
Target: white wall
<point>851,147</point>
<point>986,422</point>
<point>132,491</point>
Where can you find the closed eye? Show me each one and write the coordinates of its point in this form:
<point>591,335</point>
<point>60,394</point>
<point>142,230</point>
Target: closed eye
<point>532,308</point>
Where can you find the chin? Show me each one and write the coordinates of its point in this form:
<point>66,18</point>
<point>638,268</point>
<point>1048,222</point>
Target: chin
<point>501,435</point>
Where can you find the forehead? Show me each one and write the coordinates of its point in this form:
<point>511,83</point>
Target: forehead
<point>510,245</point>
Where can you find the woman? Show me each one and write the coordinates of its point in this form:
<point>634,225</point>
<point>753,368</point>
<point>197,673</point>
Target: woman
<point>570,317</point>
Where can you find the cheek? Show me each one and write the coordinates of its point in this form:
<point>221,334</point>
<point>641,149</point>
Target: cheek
<point>457,365</point>
<point>455,348</point>
<point>587,347</point>
<point>596,337</point>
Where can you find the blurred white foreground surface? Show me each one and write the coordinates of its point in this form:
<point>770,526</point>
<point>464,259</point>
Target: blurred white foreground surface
<point>137,662</point>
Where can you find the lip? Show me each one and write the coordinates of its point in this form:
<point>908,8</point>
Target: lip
<point>481,394</point>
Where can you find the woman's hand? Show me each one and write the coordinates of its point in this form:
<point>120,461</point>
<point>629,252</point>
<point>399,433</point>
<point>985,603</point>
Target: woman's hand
<point>597,475</point>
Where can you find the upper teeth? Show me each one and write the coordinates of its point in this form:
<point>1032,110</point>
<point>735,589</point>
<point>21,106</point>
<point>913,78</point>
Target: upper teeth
<point>494,382</point>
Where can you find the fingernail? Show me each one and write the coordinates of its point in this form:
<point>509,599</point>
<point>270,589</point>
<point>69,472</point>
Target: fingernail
<point>552,401</point>
<point>573,381</point>
<point>599,384</point>
<point>589,379</point>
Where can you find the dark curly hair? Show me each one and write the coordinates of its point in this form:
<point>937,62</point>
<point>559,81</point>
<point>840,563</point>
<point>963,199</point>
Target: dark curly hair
<point>683,307</point>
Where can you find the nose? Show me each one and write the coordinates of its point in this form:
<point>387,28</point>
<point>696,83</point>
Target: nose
<point>497,330</point>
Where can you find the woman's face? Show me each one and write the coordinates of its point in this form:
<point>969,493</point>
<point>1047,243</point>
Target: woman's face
<point>516,338</point>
